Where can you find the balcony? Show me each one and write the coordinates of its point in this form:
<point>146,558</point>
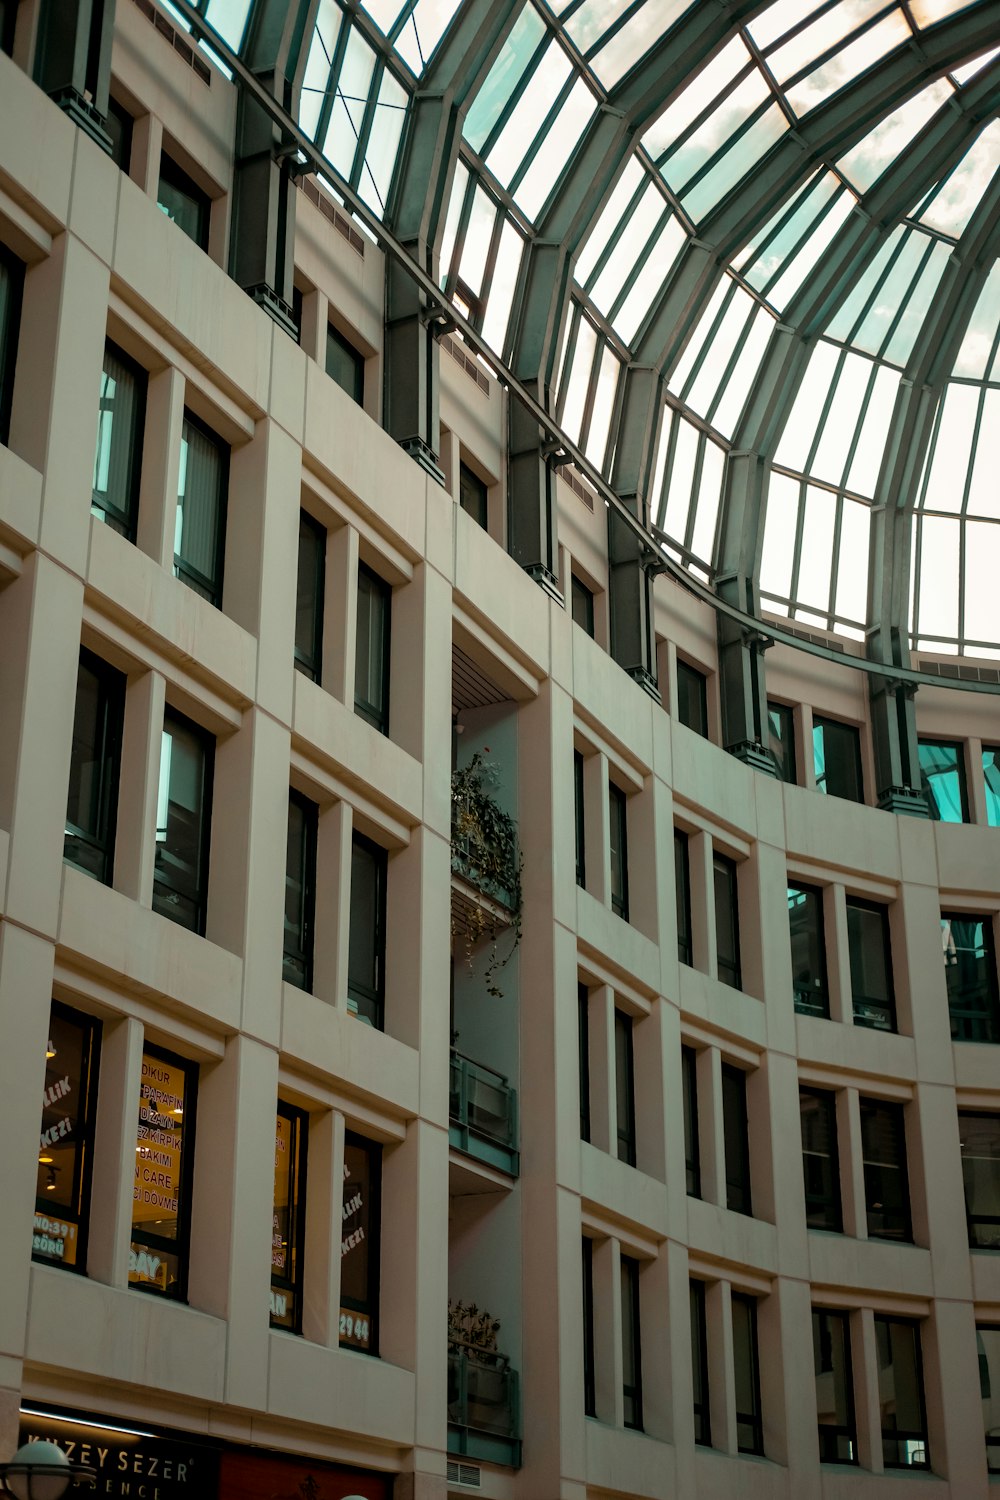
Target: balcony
<point>482,1114</point>
<point>484,847</point>
<point>484,1409</point>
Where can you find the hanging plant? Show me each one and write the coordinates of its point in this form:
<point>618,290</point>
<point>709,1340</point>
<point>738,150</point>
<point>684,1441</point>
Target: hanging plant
<point>485,852</point>
<point>473,1330</point>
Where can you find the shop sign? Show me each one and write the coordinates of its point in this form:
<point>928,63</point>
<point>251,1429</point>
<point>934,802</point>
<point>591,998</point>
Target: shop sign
<point>131,1465</point>
<point>247,1475</point>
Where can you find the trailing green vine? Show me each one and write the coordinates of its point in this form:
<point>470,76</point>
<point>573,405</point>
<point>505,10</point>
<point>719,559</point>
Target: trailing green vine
<point>485,851</point>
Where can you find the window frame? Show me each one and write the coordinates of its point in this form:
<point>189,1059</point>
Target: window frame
<point>729,969</point>
<point>739,1179</point>
<point>311,664</point>
<point>356,389</point>
<point>373,1150</point>
<point>973,1220</point>
<point>828,1205</point>
<point>473,495</point>
<point>582,605</point>
<point>589,1353</point>
<point>692,1143</point>
<point>182,182</point>
<point>207,742</point>
<point>372,714</point>
<point>298,1179</point>
<point>210,589</point>
<point>959,770</point>
<point>631,1309</point>
<point>830,1433</point>
<point>112,687</point>
<point>696,684</point>
<point>701,1390</point>
<point>124,521</point>
<point>356,992</point>
<point>990,765</point>
<point>583,1033</point>
<point>908,1434</point>
<point>682,896</point>
<point>852,733</point>
<point>579,811</point>
<point>821,1009</point>
<point>303,954</point>
<point>83,1162</point>
<point>991,1436</point>
<point>895,1111</point>
<point>625,1076</point>
<point>868,1002</point>
<point>181,1245</point>
<point>618,825</point>
<point>986,1017</point>
<point>10,332</point>
<point>754,1418</point>
<point>785,762</point>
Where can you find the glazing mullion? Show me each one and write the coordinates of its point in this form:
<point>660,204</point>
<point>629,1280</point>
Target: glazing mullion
<point>668,465</point>
<point>591,397</point>
<point>831,592</point>
<point>333,78</point>
<point>527,161</point>
<point>696,473</point>
<point>611,31</point>
<point>489,268</point>
<point>623,226</point>
<point>980,407</point>
<point>702,354</point>
<point>569,355</point>
<point>731,140</point>
<point>831,52</point>
<point>458,248</point>
<point>904,301</point>
<point>367,120</point>
<point>731,364</point>
<point>514,98</point>
<point>806,235</point>
<point>800,521</point>
<point>701,119</point>
<point>858,426</point>
<point>639,262</point>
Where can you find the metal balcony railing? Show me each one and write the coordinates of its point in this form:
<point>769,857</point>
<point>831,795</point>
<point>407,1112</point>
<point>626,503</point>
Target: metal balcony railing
<point>482,1111</point>
<point>484,1406</point>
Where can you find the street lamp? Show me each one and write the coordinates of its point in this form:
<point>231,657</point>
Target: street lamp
<point>41,1471</point>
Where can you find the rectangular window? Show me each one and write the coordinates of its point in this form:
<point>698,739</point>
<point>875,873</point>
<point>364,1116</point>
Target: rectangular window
<point>781,729</point>
<point>182,200</point>
<point>805,926</point>
<point>619,850</point>
<point>345,365</point>
<point>834,1388</point>
<point>65,1142</point>
<point>820,1165</point>
<point>200,524</point>
<point>472,495</point>
<point>727,920</point>
<point>371,678</point>
<point>746,1371</point>
<point>114,495</point>
<point>988,1347</point>
<point>970,969</point>
<point>11,287</point>
<point>309,589</point>
<point>578,807</point>
<point>300,890</point>
<point>366,950</point>
<point>631,1344</point>
<point>95,763</point>
<point>991,778</point>
<point>119,127</point>
<point>942,779</point>
<point>737,1139</point>
<point>883,1152</point>
<point>692,1153</point>
<point>359,1250</point>
<point>871,964</point>
<point>624,1088</point>
<point>583,605</point>
<point>837,759</point>
<point>980,1138</point>
<point>583,1031</point>
<point>692,698</point>
<point>183,822</point>
<point>682,890</point>
<point>901,1394</point>
<point>589,1378</point>
<point>164,1160</point>
<point>288,1222</point>
<point>699,1366</point>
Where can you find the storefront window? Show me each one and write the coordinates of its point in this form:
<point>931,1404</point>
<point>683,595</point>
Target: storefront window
<point>164,1156</point>
<point>69,1098</point>
<point>359,1250</point>
<point>288,1220</point>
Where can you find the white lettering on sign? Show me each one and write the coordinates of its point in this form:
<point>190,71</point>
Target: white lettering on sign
<point>56,1091</point>
<point>141,1264</point>
<point>351,1206</point>
<point>279,1305</point>
<point>55,1133</point>
<point>351,1240</point>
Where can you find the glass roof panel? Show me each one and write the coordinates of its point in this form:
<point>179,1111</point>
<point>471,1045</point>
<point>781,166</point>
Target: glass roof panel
<point>952,205</point>
<point>316,78</point>
<point>918,304</point>
<point>984,484</point>
<point>970,69</point>
<point>653,272</point>
<point>851,601</point>
<point>844,66</point>
<point>944,488</point>
<point>823,35</point>
<point>865,162</point>
<point>424,28</point>
<point>713,134</point>
<point>644,219</point>
<point>229,18</point>
<point>554,148</point>
<point>503,80</point>
<point>343,132</point>
<point>980,339</point>
<point>632,40</point>
<point>608,229</point>
<point>797,439</point>
<point>695,98</point>
<point>740,158</point>
<point>928,12</point>
<point>529,113</point>
<point>936,594</point>
<point>781,520</point>
<point>383,142</point>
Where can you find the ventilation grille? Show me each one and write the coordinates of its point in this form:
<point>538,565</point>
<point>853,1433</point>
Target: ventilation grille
<point>467,1474</point>
<point>815,637</point>
<point>468,363</point>
<point>965,673</point>
<point>329,211</point>
<point>579,488</point>
<point>176,40</point>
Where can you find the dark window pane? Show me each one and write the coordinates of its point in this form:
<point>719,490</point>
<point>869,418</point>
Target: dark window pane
<point>118,455</point>
<point>161,1200</point>
<point>360,1242</point>
<point>699,1366</point>
<point>366,952</point>
<point>991,777</point>
<point>980,1138</point>
<point>631,1343</point>
<point>619,851</point>
<point>183,822</point>
<point>65,1143</point>
<point>300,890</point>
<point>781,725</point>
<point>883,1151</point>
<point>692,698</point>
<point>472,495</point>
<point>624,1088</point>
<point>8,19</point>
<point>805,926</point>
<point>371,677</point>
<point>971,975</point>
<point>834,1389</point>
<point>746,1370</point>
<point>583,1024</point>
<point>942,778</point>
<point>901,1394</point>
<point>119,128</point>
<point>578,806</point>
<point>837,759</point>
<point>727,920</point>
<point>200,528</point>
<point>871,965</point>
<point>344,364</point>
<point>309,597</point>
<point>734,1115</point>
<point>583,605</point>
<point>11,285</point>
<point>988,1346</point>
<point>589,1382</point>
<point>820,1168</point>
<point>692,1155</point>
<point>288,1218</point>
<point>95,758</point>
<point>682,890</point>
<point>182,200</point>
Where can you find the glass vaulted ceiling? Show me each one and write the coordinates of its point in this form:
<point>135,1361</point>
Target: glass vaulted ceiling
<point>798,237</point>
